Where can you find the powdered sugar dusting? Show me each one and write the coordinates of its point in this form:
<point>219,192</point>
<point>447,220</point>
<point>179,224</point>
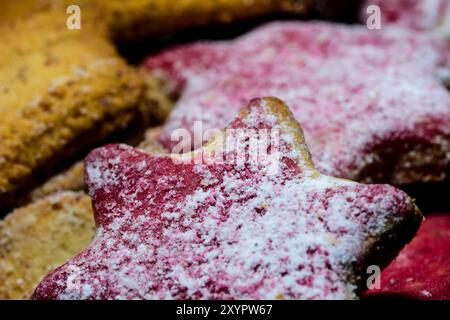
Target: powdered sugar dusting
<point>354,91</point>
<point>222,231</point>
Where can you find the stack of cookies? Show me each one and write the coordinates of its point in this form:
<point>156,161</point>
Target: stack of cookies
<point>269,165</point>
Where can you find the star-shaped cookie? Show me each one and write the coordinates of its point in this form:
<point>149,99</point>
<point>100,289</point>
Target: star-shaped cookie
<point>245,216</point>
<point>371,102</point>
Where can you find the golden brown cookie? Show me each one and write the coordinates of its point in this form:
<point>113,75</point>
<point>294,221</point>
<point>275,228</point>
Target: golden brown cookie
<point>57,101</point>
<point>70,179</point>
<point>131,19</point>
<point>38,237</point>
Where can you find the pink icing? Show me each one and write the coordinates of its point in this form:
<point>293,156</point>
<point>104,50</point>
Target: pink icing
<point>224,230</point>
<point>354,91</point>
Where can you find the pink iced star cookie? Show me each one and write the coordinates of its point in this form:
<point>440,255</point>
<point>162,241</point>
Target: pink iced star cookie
<point>422,269</point>
<point>371,103</point>
<point>421,15</point>
<point>251,219</point>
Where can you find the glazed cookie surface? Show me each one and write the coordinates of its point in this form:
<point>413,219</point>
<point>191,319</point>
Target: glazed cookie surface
<point>372,103</point>
<point>246,216</point>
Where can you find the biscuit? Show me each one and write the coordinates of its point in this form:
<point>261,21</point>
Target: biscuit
<point>38,237</point>
<point>62,98</point>
<point>372,103</point>
<point>138,19</point>
<point>131,19</point>
<point>218,223</point>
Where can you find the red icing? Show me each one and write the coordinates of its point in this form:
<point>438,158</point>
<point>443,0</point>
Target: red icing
<point>422,270</point>
<point>224,230</point>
